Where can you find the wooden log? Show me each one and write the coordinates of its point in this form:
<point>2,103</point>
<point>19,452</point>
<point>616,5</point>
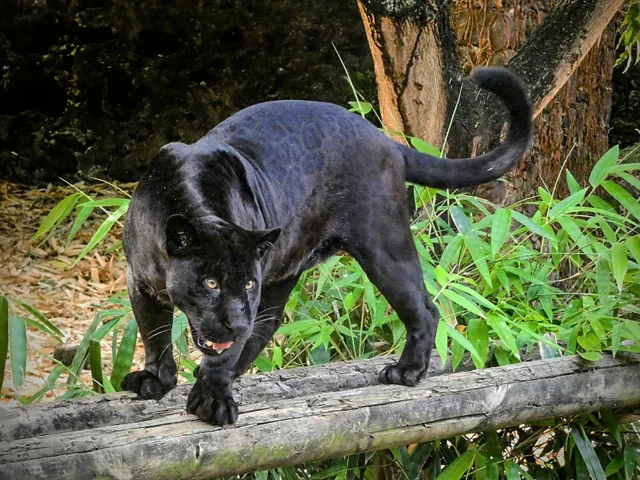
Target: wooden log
<point>277,431</point>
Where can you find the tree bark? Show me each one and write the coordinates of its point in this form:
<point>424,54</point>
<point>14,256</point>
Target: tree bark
<point>277,431</point>
<point>423,52</point>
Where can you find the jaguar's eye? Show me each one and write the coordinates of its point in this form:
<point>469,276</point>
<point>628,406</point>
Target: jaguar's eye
<point>250,284</point>
<point>212,283</point>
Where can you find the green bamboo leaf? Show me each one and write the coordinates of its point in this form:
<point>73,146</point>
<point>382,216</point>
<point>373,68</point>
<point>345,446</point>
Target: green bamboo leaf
<point>602,280</point>
<point>503,331</point>
<point>472,241</point>
<point>564,205</point>
<point>84,211</point>
<point>4,336</point>
<point>572,183</point>
<point>57,214</point>
<point>476,296</point>
<point>478,334</point>
<point>460,339</point>
<point>612,424</point>
<point>633,328</point>
<point>571,227</point>
<point>511,470</point>
<point>124,358</point>
<point>619,263</point>
<point>46,323</point>
<point>616,338</point>
<point>108,388</point>
<point>424,147</point>
<point>623,197</point>
<point>456,469</point>
<point>532,226</point>
<point>629,462</point>
<point>107,202</point>
<point>604,166</point>
<point>95,362</point>
<point>441,341</point>
<point>101,232</point>
<point>587,453</point>
<point>591,356</point>
<point>633,244</point>
<point>463,302</point>
<point>614,465</point>
<point>81,354</point>
<point>500,229</point>
<point>18,349</point>
<point>180,324</point>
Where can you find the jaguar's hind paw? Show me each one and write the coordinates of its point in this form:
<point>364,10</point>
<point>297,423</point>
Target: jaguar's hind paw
<point>402,374</point>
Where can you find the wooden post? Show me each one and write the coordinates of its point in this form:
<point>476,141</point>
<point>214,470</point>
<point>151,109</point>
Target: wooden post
<point>155,440</point>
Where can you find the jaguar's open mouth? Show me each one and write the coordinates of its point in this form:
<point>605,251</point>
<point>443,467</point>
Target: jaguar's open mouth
<point>211,346</point>
<point>208,346</point>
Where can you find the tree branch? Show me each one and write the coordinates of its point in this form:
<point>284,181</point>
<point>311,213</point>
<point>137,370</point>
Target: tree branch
<point>312,427</point>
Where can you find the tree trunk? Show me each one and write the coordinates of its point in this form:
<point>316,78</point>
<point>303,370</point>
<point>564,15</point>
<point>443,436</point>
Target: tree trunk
<point>307,427</point>
<point>423,52</point>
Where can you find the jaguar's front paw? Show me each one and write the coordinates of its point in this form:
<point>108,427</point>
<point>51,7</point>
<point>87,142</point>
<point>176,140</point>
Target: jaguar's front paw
<point>402,374</point>
<point>147,385</point>
<point>219,410</point>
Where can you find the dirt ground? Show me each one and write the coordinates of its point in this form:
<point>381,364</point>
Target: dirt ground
<point>41,274</point>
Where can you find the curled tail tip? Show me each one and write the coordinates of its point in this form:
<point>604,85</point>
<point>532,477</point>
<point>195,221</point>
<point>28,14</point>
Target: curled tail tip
<point>496,78</point>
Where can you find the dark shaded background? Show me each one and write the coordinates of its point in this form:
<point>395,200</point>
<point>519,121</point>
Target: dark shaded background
<point>94,87</point>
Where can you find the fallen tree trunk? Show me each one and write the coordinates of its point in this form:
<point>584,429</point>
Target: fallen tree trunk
<point>276,431</point>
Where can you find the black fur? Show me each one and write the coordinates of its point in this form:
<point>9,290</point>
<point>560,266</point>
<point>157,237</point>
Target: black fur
<point>272,191</point>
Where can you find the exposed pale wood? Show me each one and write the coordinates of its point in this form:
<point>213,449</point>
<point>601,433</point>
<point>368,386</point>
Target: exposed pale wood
<point>409,73</point>
<point>277,432</point>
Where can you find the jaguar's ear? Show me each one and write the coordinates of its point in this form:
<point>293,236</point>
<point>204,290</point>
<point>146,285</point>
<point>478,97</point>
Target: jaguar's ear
<point>265,239</point>
<point>180,235</point>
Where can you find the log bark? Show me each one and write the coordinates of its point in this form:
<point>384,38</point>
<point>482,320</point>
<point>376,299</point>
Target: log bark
<point>275,431</point>
<point>423,52</point>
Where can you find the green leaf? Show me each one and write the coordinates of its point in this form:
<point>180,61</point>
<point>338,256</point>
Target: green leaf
<point>511,470</point>
<point>441,341</point>
<point>179,325</point>
<point>95,362</point>
<point>124,358</point>
<point>591,356</point>
<point>424,147</point>
<point>619,263</point>
<point>84,211</point>
<point>602,280</point>
<point>587,453</point>
<point>612,424</point>
<point>572,183</point>
<point>472,241</point>
<point>320,355</point>
<point>532,226</point>
<point>589,341</point>
<point>633,244</point>
<point>101,232</point>
<point>604,166</point>
<point>18,349</point>
<point>624,197</point>
<point>616,338</point>
<point>4,336</point>
<point>478,334</point>
<point>463,302</point>
<point>57,214</point>
<point>46,323</point>
<point>503,331</point>
<point>460,339</point>
<point>564,205</point>
<point>629,461</point>
<point>633,327</point>
<point>614,466</point>
<point>456,469</point>
<point>500,229</point>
